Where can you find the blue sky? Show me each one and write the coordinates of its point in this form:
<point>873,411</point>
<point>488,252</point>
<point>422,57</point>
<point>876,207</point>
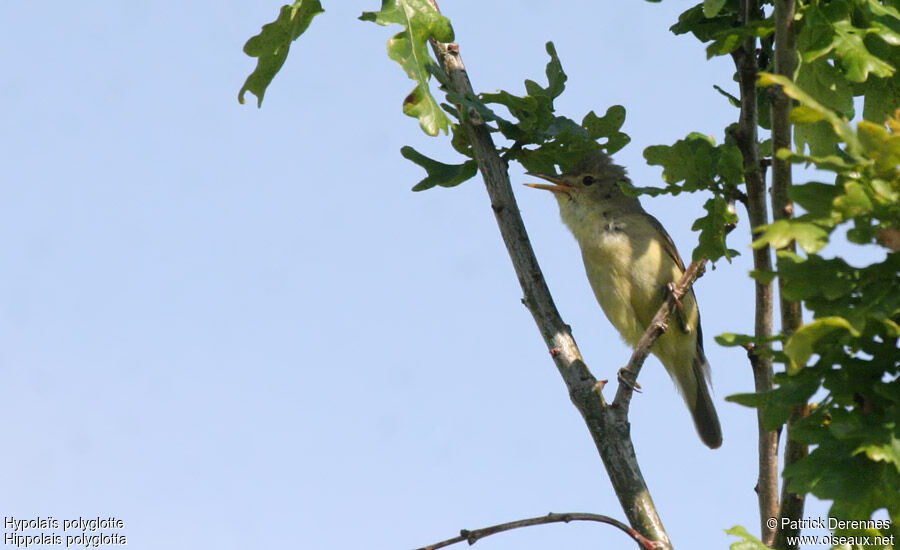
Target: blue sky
<point>236,327</point>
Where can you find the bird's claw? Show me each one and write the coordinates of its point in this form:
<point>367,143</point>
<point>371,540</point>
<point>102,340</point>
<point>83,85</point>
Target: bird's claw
<point>634,386</point>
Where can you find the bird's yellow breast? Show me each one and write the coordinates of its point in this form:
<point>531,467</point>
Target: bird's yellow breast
<point>628,269</point>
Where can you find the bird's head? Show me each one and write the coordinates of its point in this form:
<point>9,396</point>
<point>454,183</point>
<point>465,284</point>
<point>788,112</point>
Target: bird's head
<point>593,183</point>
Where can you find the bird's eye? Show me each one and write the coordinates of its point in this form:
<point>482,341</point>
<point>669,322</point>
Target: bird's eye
<point>588,180</point>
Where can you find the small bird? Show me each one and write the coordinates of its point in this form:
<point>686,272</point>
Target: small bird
<point>630,262</point>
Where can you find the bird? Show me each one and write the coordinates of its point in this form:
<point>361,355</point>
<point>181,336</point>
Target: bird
<point>631,262</point>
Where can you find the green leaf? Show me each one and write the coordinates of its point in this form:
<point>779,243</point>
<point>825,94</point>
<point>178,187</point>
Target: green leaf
<point>753,400</point>
<point>534,111</point>
<point>855,58</point>
<point>711,8</point>
<point>811,236</point>
<point>728,40</point>
<point>880,146</point>
<point>636,191</point>
<point>746,542</point>
<point>827,85</point>
<point>885,33</point>
<point>730,339</point>
<point>817,137</point>
<point>704,28</point>
<point>445,175</point>
<point>892,328</point>
<point>815,277</point>
<point>608,126</point>
<point>563,151</point>
<point>556,77</point>
<point>858,486</point>
<point>698,162</point>
<point>880,9</point>
<point>563,125</point>
<point>882,97</point>
<point>764,277</point>
<point>460,142</point>
<point>805,115</point>
<point>800,346</point>
<point>735,102</point>
<point>409,48</point>
<point>730,165</point>
<point>775,411</point>
<point>834,163</point>
<point>889,452</point>
<point>816,37</point>
<point>509,129</point>
<point>830,30</point>
<point>854,202</point>
<point>838,125</point>
<point>776,404</point>
<point>713,229</point>
<point>422,105</point>
<point>272,44</point>
<point>816,198</point>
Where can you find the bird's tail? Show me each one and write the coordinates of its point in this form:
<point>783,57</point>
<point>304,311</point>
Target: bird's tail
<point>701,405</point>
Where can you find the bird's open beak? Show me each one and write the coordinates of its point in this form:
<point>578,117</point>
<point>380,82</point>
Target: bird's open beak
<point>559,185</point>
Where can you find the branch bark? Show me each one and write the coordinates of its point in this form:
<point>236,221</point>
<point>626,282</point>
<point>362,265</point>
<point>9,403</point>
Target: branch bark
<point>783,208</point>
<point>608,426</point>
<point>747,140</point>
<point>471,537</point>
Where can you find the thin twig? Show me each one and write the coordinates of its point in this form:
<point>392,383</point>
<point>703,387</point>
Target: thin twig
<point>471,537</point>
<point>629,374</point>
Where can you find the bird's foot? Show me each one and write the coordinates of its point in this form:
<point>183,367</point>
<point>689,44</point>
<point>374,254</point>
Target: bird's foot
<point>671,288</point>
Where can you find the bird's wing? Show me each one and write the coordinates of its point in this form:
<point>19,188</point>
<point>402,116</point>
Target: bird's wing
<point>680,314</point>
<point>667,242</point>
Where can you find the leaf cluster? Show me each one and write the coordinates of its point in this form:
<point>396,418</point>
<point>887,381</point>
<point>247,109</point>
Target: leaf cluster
<point>849,350</point>
<point>848,48</point>
<point>866,189</point>
<point>534,134</point>
<point>847,356</point>
<point>537,137</point>
<point>719,23</point>
<point>697,163</point>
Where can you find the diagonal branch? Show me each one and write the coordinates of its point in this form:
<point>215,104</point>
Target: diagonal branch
<point>471,537</point>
